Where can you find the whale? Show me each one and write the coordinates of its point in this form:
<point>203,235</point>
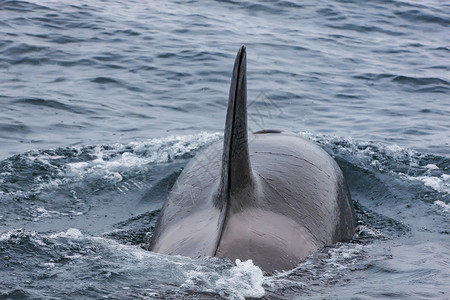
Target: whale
<point>269,196</point>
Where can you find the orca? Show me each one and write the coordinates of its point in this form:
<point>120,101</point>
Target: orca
<point>270,196</point>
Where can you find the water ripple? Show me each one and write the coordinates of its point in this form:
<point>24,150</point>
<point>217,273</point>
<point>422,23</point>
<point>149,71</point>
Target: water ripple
<point>53,104</point>
<point>421,16</point>
<point>22,6</point>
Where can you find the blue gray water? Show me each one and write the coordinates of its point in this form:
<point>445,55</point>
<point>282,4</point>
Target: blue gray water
<point>103,103</point>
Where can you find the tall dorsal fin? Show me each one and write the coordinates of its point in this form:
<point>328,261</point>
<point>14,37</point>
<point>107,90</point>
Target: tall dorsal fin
<point>236,173</point>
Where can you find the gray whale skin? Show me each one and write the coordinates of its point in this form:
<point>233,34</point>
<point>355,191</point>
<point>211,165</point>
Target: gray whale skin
<point>271,196</point>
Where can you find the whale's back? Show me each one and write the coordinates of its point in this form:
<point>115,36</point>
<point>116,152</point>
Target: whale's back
<point>271,197</point>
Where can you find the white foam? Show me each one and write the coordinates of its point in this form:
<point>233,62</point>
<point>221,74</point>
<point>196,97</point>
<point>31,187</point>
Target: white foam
<point>8,235</point>
<point>380,156</point>
<point>244,280</point>
<point>443,205</point>
<point>217,277</point>
<point>363,229</point>
<point>432,167</point>
<point>341,257</point>
<point>19,234</point>
<point>368,153</point>
<point>109,163</point>
<point>40,212</point>
<point>71,233</point>
<point>240,281</point>
<point>440,184</point>
<point>49,265</point>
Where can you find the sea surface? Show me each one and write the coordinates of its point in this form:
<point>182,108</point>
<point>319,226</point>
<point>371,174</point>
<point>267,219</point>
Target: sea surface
<point>102,104</point>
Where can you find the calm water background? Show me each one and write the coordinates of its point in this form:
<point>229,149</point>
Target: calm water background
<point>102,103</point>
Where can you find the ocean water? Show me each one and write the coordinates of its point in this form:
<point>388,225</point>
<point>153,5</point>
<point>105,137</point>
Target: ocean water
<point>102,103</point>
